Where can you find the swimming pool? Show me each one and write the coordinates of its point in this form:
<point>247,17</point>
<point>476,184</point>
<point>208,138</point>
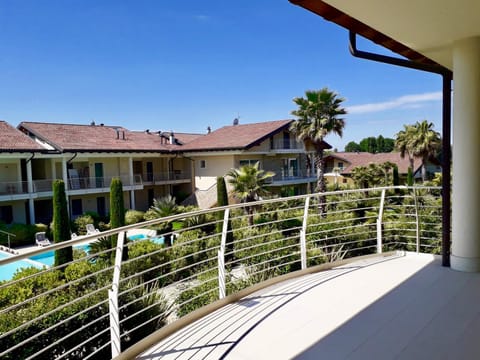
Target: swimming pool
<point>7,271</point>
<point>48,258</point>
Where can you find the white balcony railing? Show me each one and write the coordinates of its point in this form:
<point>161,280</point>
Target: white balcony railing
<point>96,307</point>
<point>13,187</point>
<point>80,183</point>
<point>161,177</point>
<point>286,144</point>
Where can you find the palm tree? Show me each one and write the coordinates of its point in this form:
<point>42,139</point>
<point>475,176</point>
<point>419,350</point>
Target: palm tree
<point>404,142</point>
<point>249,184</point>
<point>166,206</point>
<point>426,143</point>
<point>418,140</point>
<point>319,114</point>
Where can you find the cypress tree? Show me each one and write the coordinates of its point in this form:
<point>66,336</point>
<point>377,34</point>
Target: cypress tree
<point>396,178</point>
<point>410,177</point>
<point>61,223</point>
<point>222,200</point>
<point>117,211</point>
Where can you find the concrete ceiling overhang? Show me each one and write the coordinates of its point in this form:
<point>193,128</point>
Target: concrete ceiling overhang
<point>421,30</point>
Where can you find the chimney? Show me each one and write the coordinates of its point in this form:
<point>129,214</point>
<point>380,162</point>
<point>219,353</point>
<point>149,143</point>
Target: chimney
<point>147,131</point>
<point>209,130</point>
<point>172,138</point>
<point>123,134</point>
<point>117,132</point>
<point>92,123</point>
<point>235,121</point>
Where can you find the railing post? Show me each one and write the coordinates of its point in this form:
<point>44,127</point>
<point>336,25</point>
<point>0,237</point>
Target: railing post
<point>221,256</point>
<point>113,298</point>
<point>380,222</point>
<point>303,235</point>
<point>417,222</point>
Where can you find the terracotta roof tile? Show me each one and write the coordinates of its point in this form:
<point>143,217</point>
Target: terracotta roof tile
<point>12,139</point>
<point>71,137</point>
<point>237,136</point>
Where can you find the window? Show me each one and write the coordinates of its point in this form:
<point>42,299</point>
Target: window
<point>340,165</point>
<point>6,214</point>
<point>344,180</point>
<point>203,164</point>
<point>248,162</point>
<point>77,209</point>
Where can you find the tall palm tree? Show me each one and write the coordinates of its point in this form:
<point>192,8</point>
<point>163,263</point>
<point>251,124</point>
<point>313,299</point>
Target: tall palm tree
<point>404,143</point>
<point>319,114</point>
<point>249,184</point>
<point>166,206</point>
<point>426,143</point>
<point>418,140</point>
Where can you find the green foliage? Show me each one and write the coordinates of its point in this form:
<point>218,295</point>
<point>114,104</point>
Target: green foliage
<point>117,208</point>
<point>410,180</point>
<point>319,114</point>
<point>92,322</point>
<point>133,217</point>
<point>61,223</point>
<point>81,222</point>
<point>352,146</point>
<point>163,207</point>
<point>396,177</point>
<point>24,233</point>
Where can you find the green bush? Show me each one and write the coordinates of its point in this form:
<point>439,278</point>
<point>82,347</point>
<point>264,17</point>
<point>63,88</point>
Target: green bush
<point>133,217</point>
<point>24,234</point>
<point>81,222</point>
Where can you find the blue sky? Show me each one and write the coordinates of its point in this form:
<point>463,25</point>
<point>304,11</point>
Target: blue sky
<point>186,65</point>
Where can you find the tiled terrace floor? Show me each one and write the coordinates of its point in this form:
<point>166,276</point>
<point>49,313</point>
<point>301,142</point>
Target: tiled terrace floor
<point>399,307</point>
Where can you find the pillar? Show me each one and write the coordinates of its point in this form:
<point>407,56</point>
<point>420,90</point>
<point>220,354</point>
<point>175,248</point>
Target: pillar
<point>132,183</point>
<point>465,254</point>
<point>31,203</point>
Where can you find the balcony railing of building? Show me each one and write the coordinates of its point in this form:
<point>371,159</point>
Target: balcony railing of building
<point>162,177</point>
<point>78,183</point>
<point>290,174</point>
<point>286,144</point>
<point>108,300</point>
<point>13,187</point>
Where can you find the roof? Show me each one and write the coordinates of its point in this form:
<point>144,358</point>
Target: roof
<point>423,31</point>
<point>236,137</point>
<point>355,159</point>
<point>13,140</point>
<point>71,137</point>
<point>185,138</point>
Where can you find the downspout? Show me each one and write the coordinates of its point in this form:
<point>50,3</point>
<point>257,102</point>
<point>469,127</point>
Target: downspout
<point>71,159</point>
<point>447,77</point>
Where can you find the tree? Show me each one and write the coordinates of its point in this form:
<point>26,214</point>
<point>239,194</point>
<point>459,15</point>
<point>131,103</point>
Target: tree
<point>163,207</point>
<point>418,140</point>
<point>426,143</point>
<point>369,144</point>
<point>319,114</point>
<point>61,223</point>
<point>117,212</point>
<point>404,143</point>
<point>352,146</point>
<point>249,184</point>
<point>222,200</point>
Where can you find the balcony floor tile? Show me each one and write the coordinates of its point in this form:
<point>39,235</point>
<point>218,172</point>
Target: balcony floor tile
<point>399,307</point>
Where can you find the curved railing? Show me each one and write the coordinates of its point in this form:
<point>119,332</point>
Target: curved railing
<point>108,299</point>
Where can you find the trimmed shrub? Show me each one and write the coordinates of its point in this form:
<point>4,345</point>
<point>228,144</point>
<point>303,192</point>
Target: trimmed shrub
<point>133,217</point>
<point>61,223</point>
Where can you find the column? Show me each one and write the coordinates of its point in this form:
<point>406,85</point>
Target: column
<point>465,254</point>
<point>132,183</point>
<point>31,204</point>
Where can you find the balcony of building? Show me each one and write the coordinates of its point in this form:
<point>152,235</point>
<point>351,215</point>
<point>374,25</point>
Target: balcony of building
<point>358,267</point>
<point>167,177</point>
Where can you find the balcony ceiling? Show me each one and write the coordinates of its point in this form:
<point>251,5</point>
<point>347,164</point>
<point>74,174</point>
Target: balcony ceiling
<point>428,27</point>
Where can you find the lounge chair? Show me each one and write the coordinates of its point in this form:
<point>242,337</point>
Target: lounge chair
<point>91,229</point>
<point>41,239</point>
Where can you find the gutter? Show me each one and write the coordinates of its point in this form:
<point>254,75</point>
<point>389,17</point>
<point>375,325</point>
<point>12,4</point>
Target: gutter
<point>447,77</point>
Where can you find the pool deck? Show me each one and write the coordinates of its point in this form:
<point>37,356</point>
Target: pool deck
<point>402,307</point>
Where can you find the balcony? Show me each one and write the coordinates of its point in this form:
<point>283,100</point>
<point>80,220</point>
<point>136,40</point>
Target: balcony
<point>13,188</point>
<point>351,265</point>
<point>93,184</point>
<point>285,177</point>
<point>286,145</point>
<point>163,178</point>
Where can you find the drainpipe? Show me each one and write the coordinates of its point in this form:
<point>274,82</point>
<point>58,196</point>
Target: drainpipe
<point>31,204</point>
<point>447,77</point>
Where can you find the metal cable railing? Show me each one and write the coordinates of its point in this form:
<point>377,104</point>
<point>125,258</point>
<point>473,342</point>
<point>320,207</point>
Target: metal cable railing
<point>107,299</point>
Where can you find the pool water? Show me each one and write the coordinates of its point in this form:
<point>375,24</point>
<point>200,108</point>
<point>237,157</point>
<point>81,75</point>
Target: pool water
<point>7,271</point>
<point>48,258</point>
